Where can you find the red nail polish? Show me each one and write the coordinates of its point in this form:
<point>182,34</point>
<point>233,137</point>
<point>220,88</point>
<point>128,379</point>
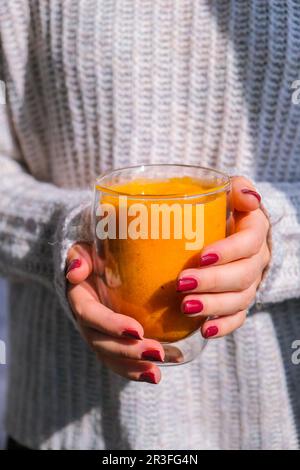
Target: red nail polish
<point>208,259</point>
<point>152,355</point>
<point>211,331</point>
<point>76,263</point>
<point>253,193</point>
<point>192,306</point>
<point>186,283</point>
<point>130,333</point>
<point>148,377</point>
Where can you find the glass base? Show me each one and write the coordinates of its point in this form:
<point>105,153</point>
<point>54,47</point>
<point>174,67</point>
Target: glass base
<point>184,350</point>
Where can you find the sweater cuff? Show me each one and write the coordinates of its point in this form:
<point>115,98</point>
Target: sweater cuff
<point>273,208</point>
<point>75,226</point>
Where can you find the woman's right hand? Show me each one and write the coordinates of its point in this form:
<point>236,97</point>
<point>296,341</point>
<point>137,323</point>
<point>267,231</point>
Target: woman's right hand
<point>117,340</point>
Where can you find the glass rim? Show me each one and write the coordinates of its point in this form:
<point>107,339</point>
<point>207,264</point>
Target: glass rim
<point>107,190</point>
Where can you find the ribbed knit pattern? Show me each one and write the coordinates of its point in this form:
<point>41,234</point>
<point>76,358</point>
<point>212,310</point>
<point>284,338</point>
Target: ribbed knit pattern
<point>95,84</point>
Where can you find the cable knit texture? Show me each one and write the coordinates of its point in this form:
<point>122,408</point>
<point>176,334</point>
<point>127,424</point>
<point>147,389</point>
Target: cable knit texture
<point>95,84</point>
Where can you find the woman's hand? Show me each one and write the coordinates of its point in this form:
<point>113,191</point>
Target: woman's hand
<point>117,339</point>
<point>230,270</point>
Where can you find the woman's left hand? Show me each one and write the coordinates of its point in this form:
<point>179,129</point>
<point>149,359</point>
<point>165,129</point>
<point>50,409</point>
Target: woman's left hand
<point>230,270</point>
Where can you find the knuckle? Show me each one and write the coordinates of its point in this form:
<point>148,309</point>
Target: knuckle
<point>246,279</point>
<point>241,323</point>
<point>247,298</point>
<point>79,311</point>
<point>214,279</point>
<point>255,245</point>
<point>266,221</point>
<point>243,317</point>
<point>76,308</point>
<point>214,305</point>
<point>266,255</point>
<point>128,353</point>
<point>82,310</point>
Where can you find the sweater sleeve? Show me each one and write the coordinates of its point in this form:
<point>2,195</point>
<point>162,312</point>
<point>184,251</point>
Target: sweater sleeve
<point>38,221</point>
<point>282,277</point>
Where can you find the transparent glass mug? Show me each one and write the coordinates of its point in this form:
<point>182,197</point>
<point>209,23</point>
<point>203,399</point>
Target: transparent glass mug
<point>150,222</point>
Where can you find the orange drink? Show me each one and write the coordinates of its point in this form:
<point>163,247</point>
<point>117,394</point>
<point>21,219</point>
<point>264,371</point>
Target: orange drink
<point>152,222</point>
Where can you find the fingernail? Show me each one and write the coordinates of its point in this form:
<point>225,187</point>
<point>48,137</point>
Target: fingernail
<point>192,306</point>
<point>211,331</point>
<point>148,377</point>
<point>253,193</point>
<point>76,263</point>
<point>186,283</point>
<point>208,259</point>
<point>130,333</point>
<point>152,355</point>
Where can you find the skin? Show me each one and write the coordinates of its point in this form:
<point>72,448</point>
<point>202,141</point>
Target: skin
<point>226,289</point>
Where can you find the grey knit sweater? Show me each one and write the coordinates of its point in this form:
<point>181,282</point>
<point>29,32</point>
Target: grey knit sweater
<point>94,84</point>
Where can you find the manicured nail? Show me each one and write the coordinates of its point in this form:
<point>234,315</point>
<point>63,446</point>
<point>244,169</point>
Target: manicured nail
<point>253,193</point>
<point>192,306</point>
<point>76,263</point>
<point>211,331</point>
<point>208,259</point>
<point>130,333</point>
<point>186,283</point>
<point>152,355</point>
<point>148,377</point>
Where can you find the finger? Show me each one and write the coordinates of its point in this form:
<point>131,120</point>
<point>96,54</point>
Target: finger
<point>244,195</point>
<point>79,263</point>
<point>236,276</point>
<point>146,349</point>
<point>208,305</point>
<point>251,232</point>
<point>133,370</point>
<point>218,327</point>
<point>90,312</point>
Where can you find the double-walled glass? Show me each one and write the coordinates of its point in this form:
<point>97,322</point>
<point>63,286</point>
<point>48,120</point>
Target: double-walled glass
<point>150,223</point>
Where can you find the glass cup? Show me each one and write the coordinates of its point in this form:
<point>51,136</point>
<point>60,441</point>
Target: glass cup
<point>150,222</point>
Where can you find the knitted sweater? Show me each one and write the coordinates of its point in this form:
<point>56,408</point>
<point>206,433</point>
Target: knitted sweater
<point>95,84</point>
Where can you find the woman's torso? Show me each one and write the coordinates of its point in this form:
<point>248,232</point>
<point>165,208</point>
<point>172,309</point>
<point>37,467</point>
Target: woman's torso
<point>94,84</point>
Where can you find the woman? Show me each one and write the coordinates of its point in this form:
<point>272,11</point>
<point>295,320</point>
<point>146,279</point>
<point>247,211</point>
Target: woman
<point>97,84</point>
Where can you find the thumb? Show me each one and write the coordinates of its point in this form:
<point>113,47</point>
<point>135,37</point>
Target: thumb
<point>245,198</point>
<point>79,263</point>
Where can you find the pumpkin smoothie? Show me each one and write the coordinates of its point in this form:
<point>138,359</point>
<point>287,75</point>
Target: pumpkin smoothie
<point>138,275</point>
